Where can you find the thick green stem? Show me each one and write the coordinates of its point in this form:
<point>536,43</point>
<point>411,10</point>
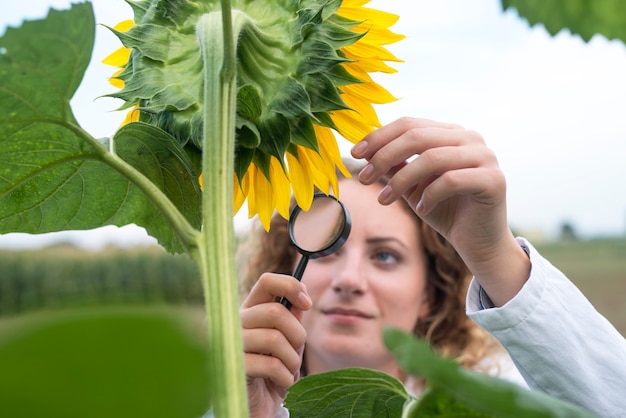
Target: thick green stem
<point>216,244</point>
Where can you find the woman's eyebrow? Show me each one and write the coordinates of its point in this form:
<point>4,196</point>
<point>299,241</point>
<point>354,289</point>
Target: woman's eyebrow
<point>383,239</point>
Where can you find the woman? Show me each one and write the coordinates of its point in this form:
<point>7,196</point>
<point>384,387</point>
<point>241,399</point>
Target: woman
<point>419,225</point>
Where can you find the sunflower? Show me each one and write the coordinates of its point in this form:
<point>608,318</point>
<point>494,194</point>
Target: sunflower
<point>303,71</point>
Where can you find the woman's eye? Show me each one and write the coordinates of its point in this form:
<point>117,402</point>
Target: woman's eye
<point>386,257</point>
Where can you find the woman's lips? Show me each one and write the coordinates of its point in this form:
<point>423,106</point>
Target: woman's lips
<point>346,316</point>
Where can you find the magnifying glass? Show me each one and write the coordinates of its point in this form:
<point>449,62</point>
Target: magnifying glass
<point>318,232</point>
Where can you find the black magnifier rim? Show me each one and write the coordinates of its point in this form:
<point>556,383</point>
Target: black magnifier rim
<point>333,246</point>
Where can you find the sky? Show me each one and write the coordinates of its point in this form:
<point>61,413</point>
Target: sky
<point>552,108</point>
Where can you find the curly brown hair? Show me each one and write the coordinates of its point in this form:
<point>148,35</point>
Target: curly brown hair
<point>447,327</point>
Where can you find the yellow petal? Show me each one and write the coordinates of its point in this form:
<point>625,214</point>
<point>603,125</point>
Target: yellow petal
<point>281,188</point>
<point>359,13</point>
<point>301,181</point>
<point>310,160</point>
<point>264,199</point>
<point>366,51</point>
<point>351,125</point>
<point>124,25</point>
<point>117,82</point>
<point>329,149</point>
<point>377,34</point>
<point>238,195</point>
<point>131,116</point>
<point>371,92</point>
<point>118,58</point>
<point>364,108</point>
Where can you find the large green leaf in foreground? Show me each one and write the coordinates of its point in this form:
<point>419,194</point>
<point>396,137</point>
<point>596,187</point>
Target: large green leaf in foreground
<point>583,17</point>
<point>451,391</point>
<point>53,175</point>
<point>102,363</point>
<point>356,393</point>
<point>451,388</point>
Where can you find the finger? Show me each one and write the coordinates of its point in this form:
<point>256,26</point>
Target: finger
<point>266,367</point>
<point>272,343</point>
<point>485,185</point>
<point>380,137</point>
<point>273,315</point>
<point>388,157</point>
<point>434,162</point>
<point>271,286</point>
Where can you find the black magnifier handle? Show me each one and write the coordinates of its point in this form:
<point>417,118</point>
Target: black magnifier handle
<point>298,272</point>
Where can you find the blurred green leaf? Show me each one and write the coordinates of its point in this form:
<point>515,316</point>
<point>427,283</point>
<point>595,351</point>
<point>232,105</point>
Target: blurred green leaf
<point>102,363</point>
<point>583,17</point>
<point>449,383</point>
<point>347,393</point>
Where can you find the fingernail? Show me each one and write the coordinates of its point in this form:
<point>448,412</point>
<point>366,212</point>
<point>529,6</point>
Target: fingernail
<point>419,209</point>
<point>359,149</point>
<point>366,173</point>
<point>304,300</point>
<point>384,195</point>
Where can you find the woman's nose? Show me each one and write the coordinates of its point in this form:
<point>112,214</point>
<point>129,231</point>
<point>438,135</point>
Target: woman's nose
<point>348,275</point>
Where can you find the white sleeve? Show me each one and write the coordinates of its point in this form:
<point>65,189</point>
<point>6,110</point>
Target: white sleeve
<point>558,341</point>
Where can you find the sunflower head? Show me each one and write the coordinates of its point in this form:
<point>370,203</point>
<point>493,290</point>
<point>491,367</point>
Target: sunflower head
<point>302,71</point>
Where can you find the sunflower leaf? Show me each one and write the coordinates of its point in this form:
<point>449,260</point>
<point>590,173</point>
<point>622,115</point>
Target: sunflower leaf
<point>347,393</point>
<point>42,64</point>
<point>53,175</point>
<point>583,17</point>
<point>158,156</point>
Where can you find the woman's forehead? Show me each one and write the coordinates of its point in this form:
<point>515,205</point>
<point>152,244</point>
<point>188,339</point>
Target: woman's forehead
<point>365,211</point>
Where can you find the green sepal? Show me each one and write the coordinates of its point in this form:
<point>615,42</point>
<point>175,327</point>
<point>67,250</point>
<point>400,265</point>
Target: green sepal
<point>247,133</point>
<point>341,77</point>
<point>303,133</point>
<point>323,94</point>
<point>243,158</point>
<point>292,100</point>
<point>339,34</point>
<point>276,128</point>
<point>262,161</point>
<point>249,103</point>
<point>325,120</point>
<point>321,57</point>
<point>306,21</point>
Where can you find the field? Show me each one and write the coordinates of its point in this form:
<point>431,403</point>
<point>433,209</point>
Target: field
<point>64,276</point>
<point>135,327</point>
<point>598,268</point>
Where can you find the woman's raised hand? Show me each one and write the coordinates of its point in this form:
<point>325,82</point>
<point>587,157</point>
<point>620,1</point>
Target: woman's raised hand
<point>452,180</point>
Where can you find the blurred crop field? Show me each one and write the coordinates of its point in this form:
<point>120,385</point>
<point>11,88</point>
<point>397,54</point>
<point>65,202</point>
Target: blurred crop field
<point>64,276</point>
<point>598,268</point>
<point>121,332</point>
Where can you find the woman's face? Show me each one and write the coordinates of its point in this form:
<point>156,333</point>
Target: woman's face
<point>377,278</point>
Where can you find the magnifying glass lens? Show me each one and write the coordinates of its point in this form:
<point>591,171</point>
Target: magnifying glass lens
<point>318,232</point>
<point>320,226</point>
